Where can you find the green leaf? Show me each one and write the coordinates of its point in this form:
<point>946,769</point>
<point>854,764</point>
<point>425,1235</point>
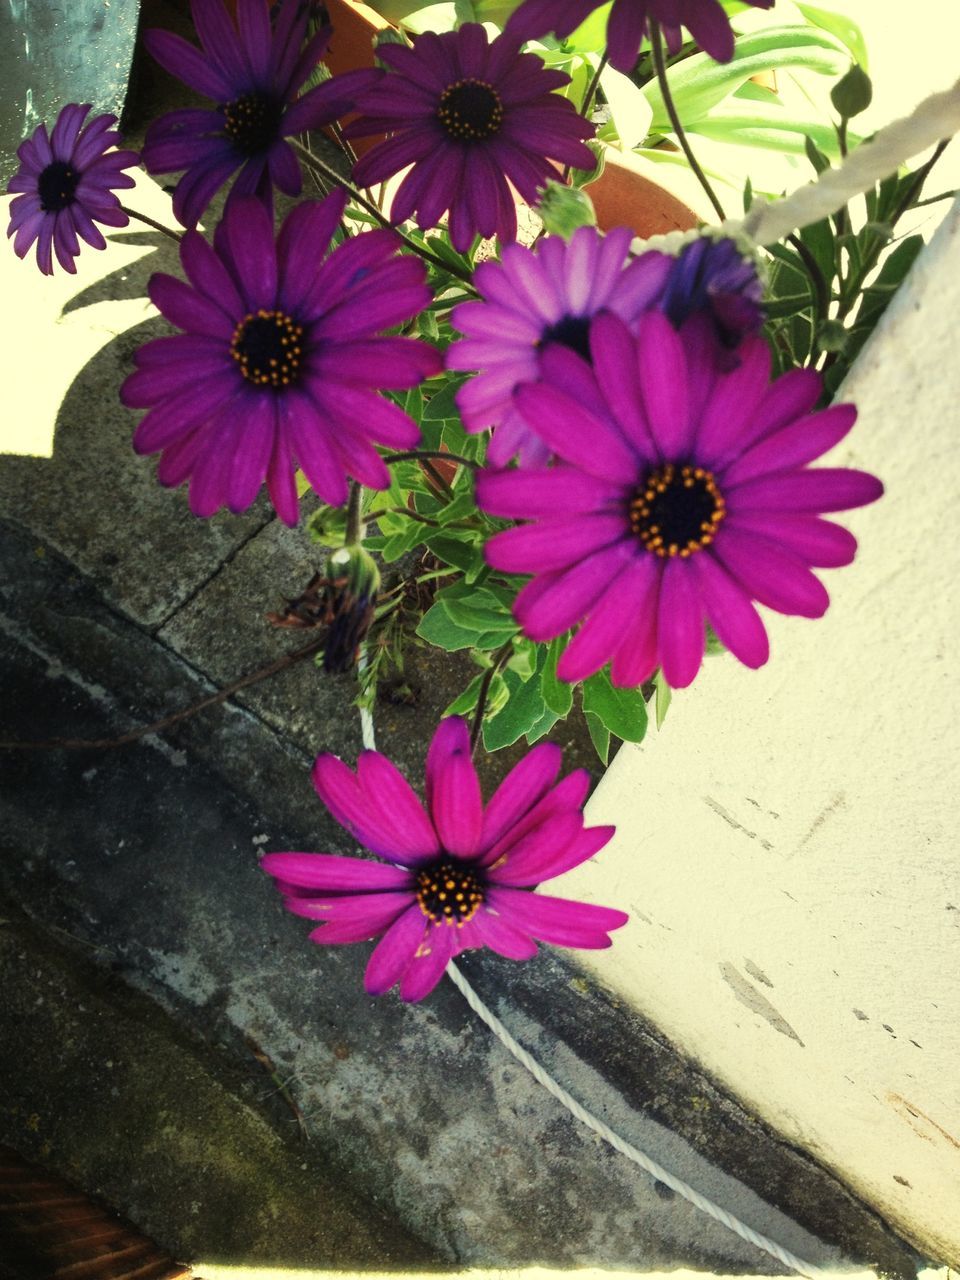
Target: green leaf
<point>699,84</point>
<point>623,711</point>
<point>557,694</point>
<point>839,25</point>
<point>461,553</point>
<point>815,155</point>
<point>524,712</point>
<point>630,110</point>
<point>443,404</point>
<point>663,697</point>
<point>439,629</point>
<point>599,735</point>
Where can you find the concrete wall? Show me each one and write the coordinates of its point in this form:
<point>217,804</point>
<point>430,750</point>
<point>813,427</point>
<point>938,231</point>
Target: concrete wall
<point>787,844</point>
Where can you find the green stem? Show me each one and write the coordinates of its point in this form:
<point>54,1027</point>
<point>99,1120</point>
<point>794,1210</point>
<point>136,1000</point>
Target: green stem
<point>587,103</point>
<point>852,291</point>
<point>157,226</point>
<point>354,519</point>
<point>499,659</point>
<point>368,206</point>
<point>657,46</point>
<point>422,454</point>
<point>816,275</point>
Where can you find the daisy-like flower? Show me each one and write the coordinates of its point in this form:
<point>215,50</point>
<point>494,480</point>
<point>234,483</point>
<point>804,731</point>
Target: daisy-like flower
<point>468,115</point>
<point>253,71</point>
<point>682,496</point>
<point>532,300</point>
<point>66,184</point>
<point>627,24</point>
<point>456,879</point>
<point>279,361</point>
<point>711,276</point>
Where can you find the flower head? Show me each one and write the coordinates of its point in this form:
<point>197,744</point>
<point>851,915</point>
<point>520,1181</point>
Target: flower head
<point>682,495</point>
<point>534,300</point>
<point>65,184</point>
<point>711,276</point>
<point>456,879</point>
<point>627,24</point>
<point>468,115</point>
<point>280,359</point>
<point>253,71</point>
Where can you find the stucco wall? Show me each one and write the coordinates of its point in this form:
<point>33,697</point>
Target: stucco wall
<point>787,844</point>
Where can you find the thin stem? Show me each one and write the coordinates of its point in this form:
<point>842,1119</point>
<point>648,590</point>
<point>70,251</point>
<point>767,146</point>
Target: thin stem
<point>445,490</point>
<point>816,275</point>
<point>102,744</point>
<point>150,222</point>
<point>368,206</point>
<point>657,47</point>
<point>587,103</point>
<point>499,659</point>
<point>354,519</point>
<point>421,454</point>
<point>403,511</point>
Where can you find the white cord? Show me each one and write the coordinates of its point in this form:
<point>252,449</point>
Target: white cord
<point>625,1148</point>
<point>936,118</point>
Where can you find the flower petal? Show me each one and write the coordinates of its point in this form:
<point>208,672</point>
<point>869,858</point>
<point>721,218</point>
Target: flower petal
<point>385,786</point>
<point>330,871</point>
<point>453,789</point>
<point>395,951</point>
<point>558,920</point>
<point>523,787</point>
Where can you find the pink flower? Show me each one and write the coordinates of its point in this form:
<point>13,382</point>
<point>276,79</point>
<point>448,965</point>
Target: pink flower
<point>456,879</point>
<point>682,495</point>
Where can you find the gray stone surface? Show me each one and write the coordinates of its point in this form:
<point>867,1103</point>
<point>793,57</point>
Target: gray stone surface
<point>146,857</point>
<point>196,1143</point>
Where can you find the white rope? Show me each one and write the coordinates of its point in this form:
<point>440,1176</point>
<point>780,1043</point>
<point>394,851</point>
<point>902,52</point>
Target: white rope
<point>585,1117</point>
<point>936,118</point>
<point>625,1148</point>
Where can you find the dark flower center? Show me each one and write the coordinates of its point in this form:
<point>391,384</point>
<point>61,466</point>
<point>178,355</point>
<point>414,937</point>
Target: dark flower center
<point>470,110</point>
<point>572,332</point>
<point>677,510</point>
<point>251,123</point>
<point>449,891</point>
<point>56,186</point>
<point>267,348</point>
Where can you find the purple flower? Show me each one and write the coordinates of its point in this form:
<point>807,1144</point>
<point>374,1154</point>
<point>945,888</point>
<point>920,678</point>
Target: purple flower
<point>535,299</point>
<point>253,72</point>
<point>468,116</point>
<point>712,277</point>
<point>280,359</point>
<point>627,24</point>
<point>452,881</point>
<point>682,495</point>
<point>66,183</point>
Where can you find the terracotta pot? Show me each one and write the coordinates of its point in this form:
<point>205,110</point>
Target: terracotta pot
<point>631,192</point>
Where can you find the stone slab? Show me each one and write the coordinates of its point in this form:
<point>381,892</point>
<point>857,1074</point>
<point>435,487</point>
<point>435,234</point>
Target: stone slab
<point>148,854</point>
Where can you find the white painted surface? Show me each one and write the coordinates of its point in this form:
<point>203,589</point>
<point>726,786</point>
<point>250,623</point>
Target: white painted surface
<point>787,844</point>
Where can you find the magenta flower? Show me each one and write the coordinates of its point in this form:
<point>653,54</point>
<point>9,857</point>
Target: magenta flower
<point>280,359</point>
<point>682,496</point>
<point>254,72</point>
<point>532,300</point>
<point>627,24</point>
<point>65,184</point>
<point>712,277</point>
<point>467,115</point>
<point>456,879</point>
